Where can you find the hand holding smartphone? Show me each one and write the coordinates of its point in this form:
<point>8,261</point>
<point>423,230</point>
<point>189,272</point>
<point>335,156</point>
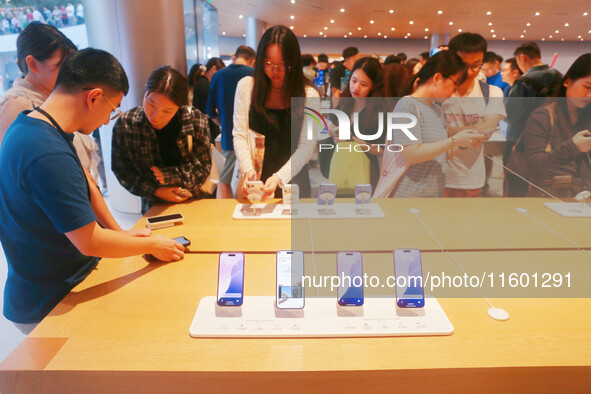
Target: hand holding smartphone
<point>254,191</point>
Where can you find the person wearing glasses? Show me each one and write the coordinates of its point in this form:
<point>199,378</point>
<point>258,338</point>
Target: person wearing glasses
<point>474,106</point>
<point>50,232</point>
<point>425,157</point>
<point>161,150</point>
<point>263,104</point>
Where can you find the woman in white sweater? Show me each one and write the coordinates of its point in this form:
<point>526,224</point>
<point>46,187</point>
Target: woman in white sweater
<point>263,104</point>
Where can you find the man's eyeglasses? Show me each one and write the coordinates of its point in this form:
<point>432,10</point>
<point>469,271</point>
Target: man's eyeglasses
<point>475,67</point>
<point>115,113</point>
<point>279,66</point>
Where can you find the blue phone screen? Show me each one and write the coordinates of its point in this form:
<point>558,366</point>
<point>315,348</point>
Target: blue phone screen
<point>409,278</point>
<point>231,279</point>
<point>350,272</point>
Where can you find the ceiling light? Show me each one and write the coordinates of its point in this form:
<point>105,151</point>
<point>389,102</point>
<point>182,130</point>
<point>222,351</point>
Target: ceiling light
<point>359,28</point>
<point>524,31</point>
<point>556,31</point>
<point>365,36</point>
<point>379,34</point>
<point>490,23</point>
<point>566,24</point>
<point>350,33</point>
<point>503,38</point>
<point>494,35</point>
<point>426,29</point>
<point>439,12</point>
<point>488,13</point>
<point>459,30</point>
<point>392,28</point>
<point>342,10</point>
<point>291,27</point>
<point>522,36</point>
<point>345,36</point>
<point>550,36</point>
<point>325,27</point>
<point>411,22</point>
<point>426,38</point>
<point>408,34</point>
<point>292,1</point>
<point>405,37</point>
<point>332,21</point>
<point>321,33</point>
<point>292,17</point>
<point>243,35</point>
<point>372,22</point>
<point>528,24</point>
<point>579,37</point>
<point>543,39</point>
<point>391,11</point>
<point>562,39</point>
<point>240,16</point>
<point>223,33</point>
<point>385,36</point>
<point>585,14</point>
<point>305,35</point>
<point>451,23</point>
<point>537,14</point>
<point>492,30</point>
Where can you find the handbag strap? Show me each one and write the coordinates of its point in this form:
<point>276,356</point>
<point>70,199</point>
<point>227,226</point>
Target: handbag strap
<point>551,114</point>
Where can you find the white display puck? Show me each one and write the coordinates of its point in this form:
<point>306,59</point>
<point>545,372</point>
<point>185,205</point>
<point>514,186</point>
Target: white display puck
<point>414,210</point>
<point>498,314</point>
<point>521,210</point>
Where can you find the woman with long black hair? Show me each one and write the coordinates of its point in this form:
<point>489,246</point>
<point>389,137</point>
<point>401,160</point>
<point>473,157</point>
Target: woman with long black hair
<point>558,137</point>
<point>263,104</point>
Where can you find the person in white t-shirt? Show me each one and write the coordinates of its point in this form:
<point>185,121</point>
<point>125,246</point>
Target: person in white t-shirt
<point>474,106</point>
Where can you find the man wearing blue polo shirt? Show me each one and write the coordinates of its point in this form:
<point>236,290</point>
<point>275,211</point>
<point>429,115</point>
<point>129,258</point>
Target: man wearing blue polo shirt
<point>49,230</point>
<point>220,107</point>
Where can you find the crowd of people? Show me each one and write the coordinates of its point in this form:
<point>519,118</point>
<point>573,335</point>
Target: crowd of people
<point>162,152</point>
<point>13,20</point>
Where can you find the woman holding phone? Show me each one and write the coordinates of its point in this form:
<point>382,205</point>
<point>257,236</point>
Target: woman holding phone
<point>263,104</point>
<point>558,136</point>
<point>161,150</point>
<point>439,78</point>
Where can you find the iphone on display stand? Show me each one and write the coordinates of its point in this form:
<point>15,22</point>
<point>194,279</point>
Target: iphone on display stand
<point>231,279</point>
<point>326,195</point>
<point>290,276</point>
<point>409,278</point>
<point>254,193</point>
<point>291,198</point>
<point>350,273</point>
<point>362,196</point>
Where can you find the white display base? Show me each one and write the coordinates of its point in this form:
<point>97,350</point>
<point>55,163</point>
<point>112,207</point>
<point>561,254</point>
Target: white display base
<point>308,211</point>
<point>570,209</point>
<point>321,317</point>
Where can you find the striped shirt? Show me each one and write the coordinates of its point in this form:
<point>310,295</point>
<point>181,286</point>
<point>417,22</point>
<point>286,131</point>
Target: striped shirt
<point>425,179</point>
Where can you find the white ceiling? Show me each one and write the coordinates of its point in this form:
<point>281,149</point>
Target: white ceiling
<point>509,18</point>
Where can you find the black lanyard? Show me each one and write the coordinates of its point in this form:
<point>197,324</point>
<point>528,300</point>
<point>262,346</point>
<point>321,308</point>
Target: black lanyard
<point>62,133</point>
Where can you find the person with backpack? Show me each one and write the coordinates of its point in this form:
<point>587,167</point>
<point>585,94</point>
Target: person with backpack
<point>474,106</point>
<point>538,80</point>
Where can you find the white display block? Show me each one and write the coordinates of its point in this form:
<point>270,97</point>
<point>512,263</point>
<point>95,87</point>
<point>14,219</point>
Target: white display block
<point>570,209</point>
<point>308,211</point>
<point>321,317</point>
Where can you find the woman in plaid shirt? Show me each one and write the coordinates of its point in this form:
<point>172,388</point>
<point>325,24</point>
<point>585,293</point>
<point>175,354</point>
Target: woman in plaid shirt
<point>161,150</point>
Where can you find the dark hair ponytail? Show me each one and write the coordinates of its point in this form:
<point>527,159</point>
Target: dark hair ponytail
<point>581,68</point>
<point>445,63</point>
<point>170,83</point>
<point>41,41</point>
